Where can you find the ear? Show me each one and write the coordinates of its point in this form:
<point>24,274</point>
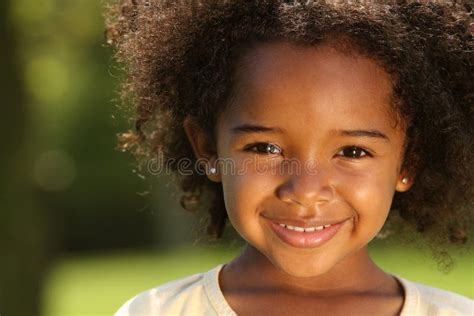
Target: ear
<point>204,149</point>
<point>404,182</point>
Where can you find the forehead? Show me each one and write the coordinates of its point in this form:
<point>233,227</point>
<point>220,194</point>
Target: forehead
<point>281,80</point>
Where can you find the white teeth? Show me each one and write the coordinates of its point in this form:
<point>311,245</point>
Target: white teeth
<point>302,229</point>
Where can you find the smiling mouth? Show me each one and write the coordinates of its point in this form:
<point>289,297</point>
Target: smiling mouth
<point>304,236</point>
<point>304,229</point>
<point>301,225</point>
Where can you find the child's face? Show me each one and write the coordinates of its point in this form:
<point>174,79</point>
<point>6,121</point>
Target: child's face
<point>311,95</point>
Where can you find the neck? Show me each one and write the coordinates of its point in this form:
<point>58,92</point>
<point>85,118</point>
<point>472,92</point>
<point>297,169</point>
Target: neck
<point>355,273</point>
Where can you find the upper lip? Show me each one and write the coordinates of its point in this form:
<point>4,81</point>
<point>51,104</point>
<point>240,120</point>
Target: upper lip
<point>305,223</point>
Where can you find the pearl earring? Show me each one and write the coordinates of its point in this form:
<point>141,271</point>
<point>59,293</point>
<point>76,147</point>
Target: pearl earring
<point>405,180</point>
<point>213,170</point>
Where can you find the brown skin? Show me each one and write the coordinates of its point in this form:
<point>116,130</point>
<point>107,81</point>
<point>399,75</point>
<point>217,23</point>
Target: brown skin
<point>311,93</point>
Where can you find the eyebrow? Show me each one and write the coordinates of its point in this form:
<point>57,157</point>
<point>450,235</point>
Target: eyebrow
<point>252,128</point>
<point>373,133</point>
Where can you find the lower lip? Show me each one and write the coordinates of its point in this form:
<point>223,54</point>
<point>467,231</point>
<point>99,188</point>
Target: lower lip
<point>305,239</point>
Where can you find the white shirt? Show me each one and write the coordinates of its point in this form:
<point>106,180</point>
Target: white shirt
<point>200,295</point>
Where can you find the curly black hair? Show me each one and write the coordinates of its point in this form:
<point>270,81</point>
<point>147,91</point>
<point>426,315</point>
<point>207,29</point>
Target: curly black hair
<point>181,57</point>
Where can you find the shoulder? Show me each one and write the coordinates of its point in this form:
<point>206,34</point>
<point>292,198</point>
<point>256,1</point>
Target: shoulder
<point>427,300</point>
<point>438,300</point>
<point>178,297</point>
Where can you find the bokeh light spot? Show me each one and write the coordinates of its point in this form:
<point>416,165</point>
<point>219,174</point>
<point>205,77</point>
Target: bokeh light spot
<point>54,170</point>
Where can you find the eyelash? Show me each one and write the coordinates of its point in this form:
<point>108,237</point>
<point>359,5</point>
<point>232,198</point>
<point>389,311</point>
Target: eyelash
<point>254,145</point>
<point>250,148</point>
<point>366,152</point>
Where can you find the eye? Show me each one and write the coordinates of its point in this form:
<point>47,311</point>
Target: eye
<point>354,152</point>
<point>264,148</point>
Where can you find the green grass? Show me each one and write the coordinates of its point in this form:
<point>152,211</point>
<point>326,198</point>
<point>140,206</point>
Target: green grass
<point>96,285</point>
<point>418,266</point>
<point>100,284</point>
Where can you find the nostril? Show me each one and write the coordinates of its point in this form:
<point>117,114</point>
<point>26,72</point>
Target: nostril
<point>304,194</point>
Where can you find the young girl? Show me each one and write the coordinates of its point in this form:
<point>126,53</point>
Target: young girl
<point>330,117</point>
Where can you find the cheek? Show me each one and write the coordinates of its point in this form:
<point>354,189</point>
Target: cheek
<point>244,192</point>
<point>369,194</point>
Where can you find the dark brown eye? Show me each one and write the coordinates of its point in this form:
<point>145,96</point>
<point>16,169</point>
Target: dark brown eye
<point>264,148</point>
<point>353,152</point>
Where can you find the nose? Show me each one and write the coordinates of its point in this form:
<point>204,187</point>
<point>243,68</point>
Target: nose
<point>307,189</point>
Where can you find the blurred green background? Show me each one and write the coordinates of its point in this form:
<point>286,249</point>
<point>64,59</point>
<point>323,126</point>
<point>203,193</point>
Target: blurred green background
<point>78,233</point>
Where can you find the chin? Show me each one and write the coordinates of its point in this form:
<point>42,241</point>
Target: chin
<point>303,270</point>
